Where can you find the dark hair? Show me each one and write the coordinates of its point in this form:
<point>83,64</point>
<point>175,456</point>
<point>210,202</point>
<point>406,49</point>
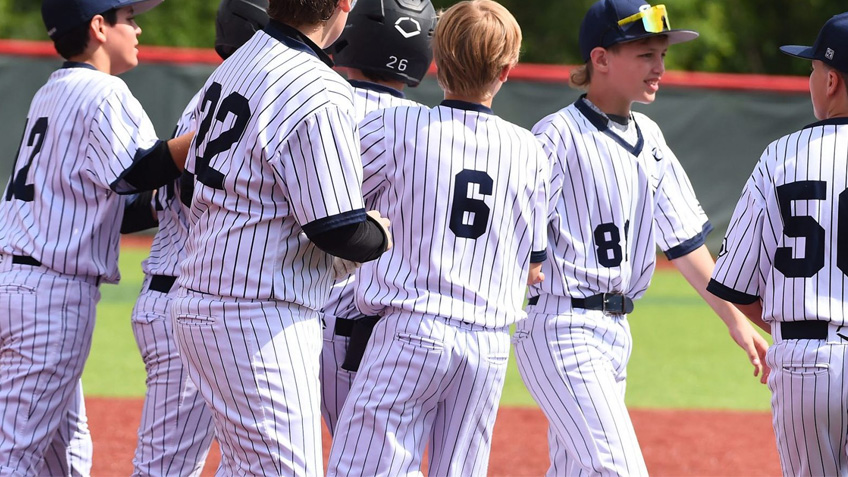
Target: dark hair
<point>75,41</point>
<point>375,76</point>
<point>301,12</point>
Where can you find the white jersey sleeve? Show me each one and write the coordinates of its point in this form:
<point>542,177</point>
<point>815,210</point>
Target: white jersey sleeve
<point>679,219</point>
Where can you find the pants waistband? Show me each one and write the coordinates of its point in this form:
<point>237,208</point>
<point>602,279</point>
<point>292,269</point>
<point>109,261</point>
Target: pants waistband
<point>161,283</point>
<point>612,303</point>
<point>6,261</point>
<point>809,330</point>
<point>344,326</point>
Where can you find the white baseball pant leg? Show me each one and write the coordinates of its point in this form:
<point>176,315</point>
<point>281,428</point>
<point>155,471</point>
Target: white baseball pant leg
<point>335,381</point>
<point>574,365</point>
<point>809,403</point>
<point>255,364</point>
<point>422,378</point>
<point>46,324</point>
<point>70,451</point>
<point>176,431</point>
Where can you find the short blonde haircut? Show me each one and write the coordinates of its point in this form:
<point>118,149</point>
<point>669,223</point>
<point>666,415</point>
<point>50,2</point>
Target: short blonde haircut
<point>473,42</point>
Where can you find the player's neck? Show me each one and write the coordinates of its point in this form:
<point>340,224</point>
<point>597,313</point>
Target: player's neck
<point>95,57</point>
<point>358,75</point>
<point>484,100</point>
<point>609,102</point>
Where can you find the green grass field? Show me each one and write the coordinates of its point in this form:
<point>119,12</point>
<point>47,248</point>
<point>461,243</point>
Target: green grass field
<point>682,357</point>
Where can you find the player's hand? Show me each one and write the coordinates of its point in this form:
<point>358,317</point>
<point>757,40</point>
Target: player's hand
<point>343,268</point>
<point>384,223</point>
<point>535,276</point>
<point>754,345</point>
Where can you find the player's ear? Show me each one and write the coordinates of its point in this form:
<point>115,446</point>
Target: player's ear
<point>345,5</point>
<point>504,74</point>
<point>600,59</point>
<point>97,28</point>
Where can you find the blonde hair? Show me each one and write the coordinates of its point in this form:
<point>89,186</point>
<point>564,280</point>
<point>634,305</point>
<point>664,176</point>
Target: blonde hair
<point>474,40</point>
<point>580,76</point>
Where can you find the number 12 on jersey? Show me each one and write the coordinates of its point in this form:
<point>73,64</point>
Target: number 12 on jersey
<point>18,188</point>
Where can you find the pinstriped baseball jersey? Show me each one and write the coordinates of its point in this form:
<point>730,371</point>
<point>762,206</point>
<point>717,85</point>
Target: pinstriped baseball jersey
<point>266,166</point>
<point>367,97</point>
<point>450,258</point>
<point>787,242</point>
<point>602,239</point>
<point>65,215</point>
<point>168,247</point>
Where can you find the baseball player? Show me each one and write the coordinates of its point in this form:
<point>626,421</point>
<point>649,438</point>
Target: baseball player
<point>617,193</point>
<point>385,46</point>
<point>86,140</point>
<point>176,427</point>
<point>784,261</point>
<point>466,193</point>
<point>277,194</point>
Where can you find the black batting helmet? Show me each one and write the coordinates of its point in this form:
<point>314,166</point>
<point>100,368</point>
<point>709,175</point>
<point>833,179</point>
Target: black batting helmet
<point>388,38</point>
<point>236,22</point>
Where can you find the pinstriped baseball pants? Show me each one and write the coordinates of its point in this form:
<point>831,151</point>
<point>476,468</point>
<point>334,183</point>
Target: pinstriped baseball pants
<point>176,431</point>
<point>809,386</point>
<point>422,377</point>
<point>46,325</point>
<point>255,363</point>
<point>574,365</point>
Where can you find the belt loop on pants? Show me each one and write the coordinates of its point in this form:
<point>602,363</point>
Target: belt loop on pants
<point>161,283</point>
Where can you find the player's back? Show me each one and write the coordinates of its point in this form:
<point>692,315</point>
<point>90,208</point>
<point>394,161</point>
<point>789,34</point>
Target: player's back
<point>462,189</point>
<point>616,195</point>
<point>59,208</point>
<point>800,190</point>
<point>261,149</point>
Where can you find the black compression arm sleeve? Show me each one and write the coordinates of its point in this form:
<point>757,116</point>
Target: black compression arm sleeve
<point>359,242</point>
<point>151,168</point>
<point>139,214</point>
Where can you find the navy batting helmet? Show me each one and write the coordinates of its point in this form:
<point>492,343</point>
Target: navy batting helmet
<point>388,38</point>
<point>236,22</point>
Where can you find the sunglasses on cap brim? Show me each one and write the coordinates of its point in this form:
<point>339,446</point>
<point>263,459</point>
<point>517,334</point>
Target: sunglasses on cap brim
<point>654,19</point>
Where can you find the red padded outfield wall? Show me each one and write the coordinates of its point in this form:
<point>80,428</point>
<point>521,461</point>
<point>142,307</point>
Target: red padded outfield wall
<point>717,124</point>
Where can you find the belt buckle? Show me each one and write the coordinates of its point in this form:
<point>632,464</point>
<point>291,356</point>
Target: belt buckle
<point>613,304</point>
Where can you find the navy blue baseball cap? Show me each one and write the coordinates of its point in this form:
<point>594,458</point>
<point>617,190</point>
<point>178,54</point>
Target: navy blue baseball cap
<point>616,21</point>
<point>831,46</point>
<point>62,16</point>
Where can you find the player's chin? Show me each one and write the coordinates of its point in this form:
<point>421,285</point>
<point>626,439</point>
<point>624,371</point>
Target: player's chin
<point>647,97</point>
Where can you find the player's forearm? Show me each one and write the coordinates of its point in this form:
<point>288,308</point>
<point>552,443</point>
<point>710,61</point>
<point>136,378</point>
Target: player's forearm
<point>697,267</point>
<point>178,148</point>
<point>754,312</point>
<point>139,214</point>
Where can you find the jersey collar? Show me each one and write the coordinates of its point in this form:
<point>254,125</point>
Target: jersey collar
<point>379,88</point>
<point>294,39</point>
<point>602,123</point>
<point>828,122</point>
<point>457,104</point>
<point>77,64</point>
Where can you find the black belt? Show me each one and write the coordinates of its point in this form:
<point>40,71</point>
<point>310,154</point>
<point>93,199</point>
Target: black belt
<point>343,327</point>
<point>25,260</point>
<point>161,283</point>
<point>614,303</point>
<point>804,330</point>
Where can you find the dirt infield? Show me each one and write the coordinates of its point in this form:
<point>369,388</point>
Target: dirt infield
<point>675,443</point>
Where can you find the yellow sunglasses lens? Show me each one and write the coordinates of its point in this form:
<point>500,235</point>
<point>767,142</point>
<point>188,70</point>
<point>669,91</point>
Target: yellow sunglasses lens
<point>654,19</point>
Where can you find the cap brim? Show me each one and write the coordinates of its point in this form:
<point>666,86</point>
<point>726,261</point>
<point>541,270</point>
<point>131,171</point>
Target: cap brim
<point>141,6</point>
<point>798,51</point>
<point>674,36</point>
